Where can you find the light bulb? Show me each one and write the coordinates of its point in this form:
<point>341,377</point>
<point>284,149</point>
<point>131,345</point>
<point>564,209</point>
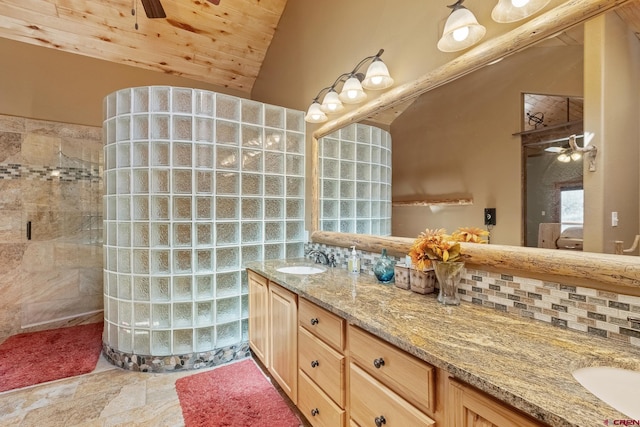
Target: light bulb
<point>564,158</point>
<point>461,34</point>
<point>519,3</point>
<point>576,156</point>
<point>352,94</point>
<point>376,80</point>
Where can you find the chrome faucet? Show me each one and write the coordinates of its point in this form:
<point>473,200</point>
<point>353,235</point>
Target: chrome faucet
<point>322,258</point>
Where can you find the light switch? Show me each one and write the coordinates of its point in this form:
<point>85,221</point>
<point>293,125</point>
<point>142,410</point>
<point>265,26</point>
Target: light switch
<point>614,219</point>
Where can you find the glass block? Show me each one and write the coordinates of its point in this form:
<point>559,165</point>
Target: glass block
<point>348,132</point>
<point>141,288</point>
<point>347,189</point>
<point>160,262</point>
<point>363,133</point>
<point>204,182</point>
<point>274,208</point>
<point>251,208</point>
<point>125,313</point>
<point>112,262</point>
<point>140,261</point>
<point>295,120</point>
<point>123,128</point>
<point>140,208</point>
<point>204,313</point>
<point>160,126</point>
<point>347,150</point>
<point>273,231</point>
<point>274,116</point>
<point>182,288</point>
<point>160,290</point>
<point>274,140</point>
<point>159,181</point>
<point>181,100</point>
<point>160,154</point>
<point>204,129</point>
<point>227,208</point>
<point>227,107</point>
<point>329,148</point>
<point>330,169</point>
<point>363,153</point>
<point>161,343</point>
<point>363,226</point>
<point>227,309</point>
<point>113,310</point>
<point>204,261</point>
<point>251,111</point>
<point>363,172</point>
<point>273,251</point>
<point>159,234</point>
<point>375,191</point>
<point>375,155</point>
<point>111,233</point>
<point>252,160</point>
<point>364,190</point>
<point>227,284</point>
<point>125,339</point>
<point>274,163</point>
<point>160,208</point>
<point>295,143</point>
<point>205,339</point>
<point>181,234</point>
<point>181,181</point>
<point>227,157</point>
<point>251,232</point>
<point>251,136</point>
<point>347,226</point>
<point>329,225</point>
<point>227,183</point>
<point>295,187</point>
<point>227,233</point>
<point>110,157</point>
<point>329,189</point>
<point>181,208</point>
<point>141,127</point>
<point>329,209</point>
<point>227,334</point>
<point>124,286</point>
<point>141,342</point>
<point>204,234</point>
<point>123,99</point>
<point>204,287</point>
<point>124,260</point>
<point>375,173</point>
<point>123,181</point>
<point>203,208</point>
<point>251,253</point>
<point>142,315</point>
<point>295,208</point>
<point>141,181</point>
<point>182,128</point>
<point>244,303</point>
<point>111,333</point>
<point>274,185</point>
<point>363,209</point>
<point>182,341</point>
<point>227,259</point>
<point>203,102</point>
<point>182,261</point>
<point>181,154</point>
<point>347,170</point>
<point>160,98</point>
<point>244,326</point>
<point>124,234</point>
<point>109,105</point>
<point>347,209</point>
<point>295,250</point>
<point>140,99</point>
<point>251,184</point>
<point>204,156</point>
<point>227,133</point>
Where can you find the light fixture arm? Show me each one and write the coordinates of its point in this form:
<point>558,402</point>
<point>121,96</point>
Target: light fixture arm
<point>591,151</point>
<point>457,5</point>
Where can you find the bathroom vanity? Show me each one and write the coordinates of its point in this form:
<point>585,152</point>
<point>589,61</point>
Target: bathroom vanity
<point>360,353</point>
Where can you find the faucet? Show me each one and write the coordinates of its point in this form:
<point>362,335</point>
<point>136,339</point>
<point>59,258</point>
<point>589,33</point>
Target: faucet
<point>322,258</point>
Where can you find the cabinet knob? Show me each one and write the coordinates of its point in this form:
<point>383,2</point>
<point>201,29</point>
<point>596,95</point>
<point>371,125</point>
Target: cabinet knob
<point>378,363</point>
<point>314,321</point>
<point>314,363</point>
<point>314,412</point>
<point>380,420</point>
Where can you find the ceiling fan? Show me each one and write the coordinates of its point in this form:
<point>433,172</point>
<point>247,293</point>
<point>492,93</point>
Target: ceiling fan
<point>153,8</point>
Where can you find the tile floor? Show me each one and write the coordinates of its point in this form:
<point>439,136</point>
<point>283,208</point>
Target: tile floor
<point>107,397</point>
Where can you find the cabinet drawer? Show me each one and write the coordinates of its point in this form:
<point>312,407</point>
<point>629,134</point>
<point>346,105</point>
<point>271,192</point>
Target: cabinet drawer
<point>316,406</point>
<point>322,364</point>
<point>372,404</point>
<point>323,324</point>
<point>408,376</point>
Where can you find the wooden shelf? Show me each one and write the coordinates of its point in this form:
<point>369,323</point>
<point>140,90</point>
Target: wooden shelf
<point>458,201</point>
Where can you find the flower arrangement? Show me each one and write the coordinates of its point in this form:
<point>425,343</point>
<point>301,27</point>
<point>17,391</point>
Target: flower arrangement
<point>437,245</point>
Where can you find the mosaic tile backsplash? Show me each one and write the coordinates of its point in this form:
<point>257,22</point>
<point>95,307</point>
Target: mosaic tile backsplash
<point>601,313</point>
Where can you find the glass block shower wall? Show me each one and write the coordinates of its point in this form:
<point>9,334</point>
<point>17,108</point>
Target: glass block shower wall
<point>196,184</point>
<point>355,180</point>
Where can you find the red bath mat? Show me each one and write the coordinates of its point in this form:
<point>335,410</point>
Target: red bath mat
<point>236,395</point>
<point>37,357</point>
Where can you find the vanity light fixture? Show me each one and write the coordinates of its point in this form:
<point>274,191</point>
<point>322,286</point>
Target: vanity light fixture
<point>354,83</point>
<point>514,10</point>
<point>461,30</point>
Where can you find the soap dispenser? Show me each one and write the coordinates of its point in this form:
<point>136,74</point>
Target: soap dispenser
<point>353,265</point>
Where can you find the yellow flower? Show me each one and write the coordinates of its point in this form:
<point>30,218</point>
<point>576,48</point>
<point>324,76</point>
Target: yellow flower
<point>439,246</point>
<point>470,234</point>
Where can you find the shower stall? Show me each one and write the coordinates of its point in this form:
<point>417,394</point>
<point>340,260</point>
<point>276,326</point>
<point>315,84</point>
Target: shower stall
<point>196,184</point>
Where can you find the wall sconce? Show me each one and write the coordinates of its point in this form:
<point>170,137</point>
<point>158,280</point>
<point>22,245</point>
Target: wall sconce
<point>514,10</point>
<point>354,83</point>
<point>461,29</point>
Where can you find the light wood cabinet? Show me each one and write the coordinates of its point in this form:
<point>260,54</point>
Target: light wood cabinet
<point>259,316</point>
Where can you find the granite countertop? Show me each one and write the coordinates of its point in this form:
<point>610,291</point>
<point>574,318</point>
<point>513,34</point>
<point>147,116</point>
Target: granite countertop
<point>523,362</point>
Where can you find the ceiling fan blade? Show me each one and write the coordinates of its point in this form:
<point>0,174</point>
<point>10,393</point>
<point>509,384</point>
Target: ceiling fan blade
<point>216,2</point>
<point>153,9</point>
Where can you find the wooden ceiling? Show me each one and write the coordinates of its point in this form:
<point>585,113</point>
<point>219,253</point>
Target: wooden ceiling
<point>223,45</point>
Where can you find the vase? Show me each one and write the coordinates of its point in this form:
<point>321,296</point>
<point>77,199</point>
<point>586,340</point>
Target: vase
<point>448,275</point>
<point>383,269</point>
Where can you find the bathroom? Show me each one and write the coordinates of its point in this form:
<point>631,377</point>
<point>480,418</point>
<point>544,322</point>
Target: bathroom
<point>71,291</point>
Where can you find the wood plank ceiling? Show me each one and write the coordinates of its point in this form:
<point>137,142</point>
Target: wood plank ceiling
<point>223,45</point>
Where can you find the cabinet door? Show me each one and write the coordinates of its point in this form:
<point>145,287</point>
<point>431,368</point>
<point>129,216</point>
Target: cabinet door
<point>258,316</point>
<point>470,408</point>
<point>283,343</point>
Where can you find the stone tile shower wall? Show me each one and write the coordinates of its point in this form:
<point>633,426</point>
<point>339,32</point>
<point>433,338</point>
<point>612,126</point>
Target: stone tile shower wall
<point>50,176</point>
<point>197,184</point>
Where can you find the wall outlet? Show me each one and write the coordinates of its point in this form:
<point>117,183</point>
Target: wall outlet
<point>490,216</point>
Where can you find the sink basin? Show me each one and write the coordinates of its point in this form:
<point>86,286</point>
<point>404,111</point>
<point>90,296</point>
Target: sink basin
<point>614,386</point>
<point>301,269</point>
